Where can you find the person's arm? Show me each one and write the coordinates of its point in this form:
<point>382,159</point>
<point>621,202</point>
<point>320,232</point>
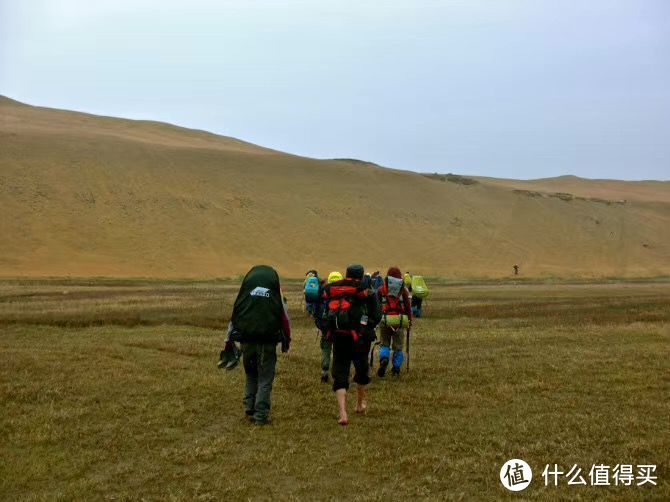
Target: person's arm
<point>286,326</point>
<point>374,308</point>
<point>228,343</point>
<point>285,323</point>
<point>319,309</point>
<point>232,335</point>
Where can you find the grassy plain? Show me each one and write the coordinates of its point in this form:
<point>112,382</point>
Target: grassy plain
<point>109,390</point>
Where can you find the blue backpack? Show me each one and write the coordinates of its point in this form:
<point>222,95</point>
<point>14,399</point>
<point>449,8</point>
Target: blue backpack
<point>377,282</point>
<point>312,289</point>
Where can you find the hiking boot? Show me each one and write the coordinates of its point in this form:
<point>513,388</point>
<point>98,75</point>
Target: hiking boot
<point>383,364</point>
<point>395,372</point>
<point>234,359</point>
<point>229,357</point>
<point>324,377</point>
<point>263,421</point>
<point>223,359</point>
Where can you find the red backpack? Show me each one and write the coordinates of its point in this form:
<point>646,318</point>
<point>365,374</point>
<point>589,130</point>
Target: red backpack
<point>339,297</point>
<point>391,296</point>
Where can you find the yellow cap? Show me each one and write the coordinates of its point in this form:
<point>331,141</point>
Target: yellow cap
<point>334,277</point>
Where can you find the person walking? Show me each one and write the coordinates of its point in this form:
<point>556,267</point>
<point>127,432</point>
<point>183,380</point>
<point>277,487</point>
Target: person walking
<point>325,343</point>
<point>396,317</point>
<point>311,287</point>
<point>377,280</point>
<point>352,314</point>
<point>259,322</point>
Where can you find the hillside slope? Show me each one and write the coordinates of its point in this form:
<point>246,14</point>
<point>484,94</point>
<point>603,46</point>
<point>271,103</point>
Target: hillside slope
<point>87,195</point>
<point>612,190</point>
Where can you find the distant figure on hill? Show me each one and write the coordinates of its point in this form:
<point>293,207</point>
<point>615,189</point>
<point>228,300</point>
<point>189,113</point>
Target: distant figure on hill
<point>260,321</point>
<point>516,269</point>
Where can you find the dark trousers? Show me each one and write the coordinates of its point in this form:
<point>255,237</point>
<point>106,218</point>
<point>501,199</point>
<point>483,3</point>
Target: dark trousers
<point>346,352</point>
<point>259,360</point>
<point>326,349</point>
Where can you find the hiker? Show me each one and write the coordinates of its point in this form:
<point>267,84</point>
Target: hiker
<point>311,287</point>
<point>419,292</point>
<point>377,280</point>
<point>416,305</point>
<point>325,343</point>
<point>260,321</point>
<point>516,269</point>
<point>351,317</point>
<point>407,280</point>
<point>396,316</point>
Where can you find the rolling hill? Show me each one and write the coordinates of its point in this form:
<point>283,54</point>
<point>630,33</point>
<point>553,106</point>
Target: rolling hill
<point>85,195</point>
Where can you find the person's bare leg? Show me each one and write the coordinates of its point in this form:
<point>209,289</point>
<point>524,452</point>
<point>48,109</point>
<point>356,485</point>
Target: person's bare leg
<point>361,405</point>
<point>341,394</point>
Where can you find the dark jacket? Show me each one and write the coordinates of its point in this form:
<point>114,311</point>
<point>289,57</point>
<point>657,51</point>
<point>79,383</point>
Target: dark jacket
<point>259,315</point>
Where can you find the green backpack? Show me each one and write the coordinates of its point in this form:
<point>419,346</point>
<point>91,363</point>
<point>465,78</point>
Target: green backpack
<point>258,307</point>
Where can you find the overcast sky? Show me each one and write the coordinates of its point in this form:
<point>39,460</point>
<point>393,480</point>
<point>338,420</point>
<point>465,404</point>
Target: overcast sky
<point>517,89</point>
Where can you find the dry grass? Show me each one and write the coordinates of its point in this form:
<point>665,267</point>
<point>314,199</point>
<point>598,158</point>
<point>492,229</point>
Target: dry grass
<point>110,410</point>
<point>66,305</point>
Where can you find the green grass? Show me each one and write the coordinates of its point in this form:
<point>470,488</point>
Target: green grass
<point>113,392</point>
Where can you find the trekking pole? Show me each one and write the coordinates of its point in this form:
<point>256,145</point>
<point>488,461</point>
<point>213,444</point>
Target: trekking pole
<point>372,354</point>
<point>408,329</point>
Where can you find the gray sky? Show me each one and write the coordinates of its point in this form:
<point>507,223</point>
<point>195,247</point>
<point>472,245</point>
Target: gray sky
<point>517,89</point>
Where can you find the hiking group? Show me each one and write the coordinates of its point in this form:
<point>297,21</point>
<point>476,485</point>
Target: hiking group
<point>346,310</point>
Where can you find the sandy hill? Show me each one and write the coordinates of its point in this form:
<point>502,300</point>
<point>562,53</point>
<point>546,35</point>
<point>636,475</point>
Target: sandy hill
<point>612,190</point>
<point>89,195</point>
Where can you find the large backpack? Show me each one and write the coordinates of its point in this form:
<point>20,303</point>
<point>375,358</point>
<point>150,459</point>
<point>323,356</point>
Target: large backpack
<point>342,300</point>
<point>393,307</point>
<point>258,307</point>
<point>419,287</point>
<point>311,289</point>
<point>377,282</point>
<point>320,316</point>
